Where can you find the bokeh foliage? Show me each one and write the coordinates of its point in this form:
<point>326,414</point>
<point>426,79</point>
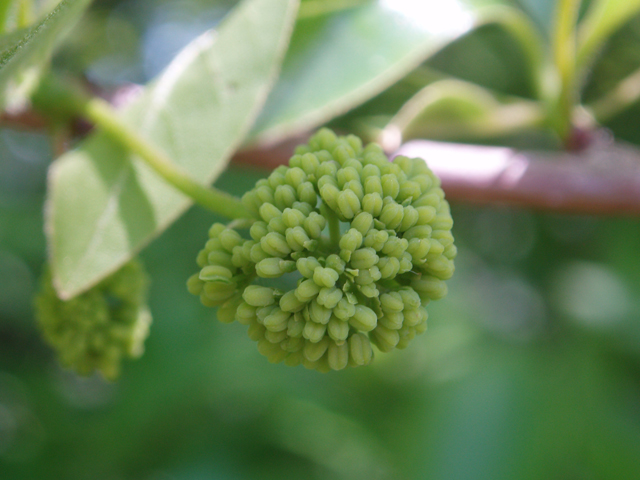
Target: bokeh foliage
<point>530,368</point>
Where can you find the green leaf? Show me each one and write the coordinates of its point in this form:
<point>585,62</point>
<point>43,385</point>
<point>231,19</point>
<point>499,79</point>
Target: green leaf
<point>104,205</point>
<point>23,54</point>
<point>338,61</point>
<point>601,21</point>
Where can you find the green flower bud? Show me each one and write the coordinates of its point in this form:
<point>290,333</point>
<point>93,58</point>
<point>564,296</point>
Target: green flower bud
<point>297,239</point>
<point>264,194</point>
<point>376,239</point>
<point>274,267</point>
<point>385,339</point>
<point>194,284</point>
<point>218,293</point>
<point>306,193</point>
<point>338,356</point>
<point>368,276</point>
<point>277,320</point>
<point>291,218</point>
<point>304,207</point>
<point>307,290</point>
<point>427,200</point>
<point>395,247</point>
<point>345,175</point>
<point>343,154</point>
<point>257,254</point>
<point>276,179</point>
<point>313,351</point>
<point>227,312</point>
<point>328,168</point>
<point>429,287</point>
<point>392,215</point>
<point>348,204</point>
<point>295,327</point>
<point>392,320</point>
<point>318,313</point>
<point>215,273</point>
<point>269,211</point>
<point>223,259</point>
<point>370,171</point>
<point>390,186</point>
<point>285,196</point>
<point>329,194</point>
<point>314,224</point>
<point>273,352</point>
<point>338,330</point>
<point>307,266</point>
<point>98,328</point>
<point>350,241</point>
<point>275,244</point>
<point>360,349</point>
<point>245,313</point>
<point>389,267</point>
<point>256,331</point>
<point>364,258</point>
<point>309,163</point>
<point>258,296</point>
<point>391,302</point>
<point>408,191</point>
<point>364,319</point>
<point>215,230</point>
<point>412,317</point>
<point>314,332</point>
<point>409,297</point>
<point>295,177</point>
<point>372,203</point>
<point>325,277</point>
<point>344,310</point>
<point>329,297</point>
<point>363,222</point>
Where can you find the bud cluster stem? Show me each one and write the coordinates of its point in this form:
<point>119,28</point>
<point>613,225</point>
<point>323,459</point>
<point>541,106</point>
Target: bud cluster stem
<point>106,118</point>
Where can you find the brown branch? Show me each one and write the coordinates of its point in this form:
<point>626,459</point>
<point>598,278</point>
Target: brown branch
<point>602,179</point>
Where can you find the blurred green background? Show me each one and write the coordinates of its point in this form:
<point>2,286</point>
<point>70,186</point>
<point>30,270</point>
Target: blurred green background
<point>530,368</point>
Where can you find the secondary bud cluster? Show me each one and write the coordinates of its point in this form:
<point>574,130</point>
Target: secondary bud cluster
<point>369,240</point>
<point>96,329</point>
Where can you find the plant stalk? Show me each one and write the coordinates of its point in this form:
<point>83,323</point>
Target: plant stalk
<point>59,100</point>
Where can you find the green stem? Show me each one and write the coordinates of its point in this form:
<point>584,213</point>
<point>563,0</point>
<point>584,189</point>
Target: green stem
<point>55,98</point>
<point>564,55</point>
<point>334,226</point>
<point>103,115</point>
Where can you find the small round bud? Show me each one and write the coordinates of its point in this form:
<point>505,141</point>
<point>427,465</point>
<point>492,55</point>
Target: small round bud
<point>360,349</point>
<point>364,319</point>
<point>269,211</point>
<point>313,351</point>
<point>257,296</point>
<point>325,277</point>
<point>338,355</point>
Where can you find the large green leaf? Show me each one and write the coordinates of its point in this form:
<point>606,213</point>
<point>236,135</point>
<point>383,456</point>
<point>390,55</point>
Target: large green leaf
<point>105,205</point>
<point>24,53</point>
<point>338,61</point>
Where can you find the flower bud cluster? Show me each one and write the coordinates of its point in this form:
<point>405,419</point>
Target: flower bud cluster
<point>96,329</point>
<point>369,240</point>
